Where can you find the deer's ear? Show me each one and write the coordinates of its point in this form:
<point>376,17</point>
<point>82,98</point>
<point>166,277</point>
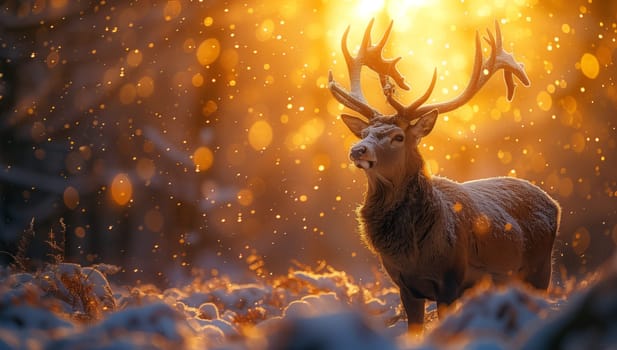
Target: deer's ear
<point>356,125</point>
<point>425,124</point>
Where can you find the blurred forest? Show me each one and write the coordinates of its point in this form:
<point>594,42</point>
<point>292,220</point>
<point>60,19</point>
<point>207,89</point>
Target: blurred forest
<point>166,135</point>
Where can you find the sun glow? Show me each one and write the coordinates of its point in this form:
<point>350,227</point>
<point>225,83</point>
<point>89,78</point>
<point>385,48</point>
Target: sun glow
<point>427,35</point>
<point>369,7</point>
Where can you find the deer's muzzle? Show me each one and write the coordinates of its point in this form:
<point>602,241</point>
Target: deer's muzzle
<point>362,156</point>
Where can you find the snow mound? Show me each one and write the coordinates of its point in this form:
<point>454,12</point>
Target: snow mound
<point>588,321</point>
<point>343,330</point>
<point>27,317</point>
<point>151,326</point>
<point>494,311</point>
<point>82,292</point>
<point>66,306</point>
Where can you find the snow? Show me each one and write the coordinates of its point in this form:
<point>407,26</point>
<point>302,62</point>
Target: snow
<point>343,330</point>
<point>128,106</point>
<point>70,306</point>
<point>502,311</point>
<point>589,321</point>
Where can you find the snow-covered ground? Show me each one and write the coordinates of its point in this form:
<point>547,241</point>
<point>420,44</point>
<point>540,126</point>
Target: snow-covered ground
<point>67,306</point>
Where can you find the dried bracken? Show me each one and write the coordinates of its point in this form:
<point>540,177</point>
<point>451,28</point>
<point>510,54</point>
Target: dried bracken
<point>21,259</point>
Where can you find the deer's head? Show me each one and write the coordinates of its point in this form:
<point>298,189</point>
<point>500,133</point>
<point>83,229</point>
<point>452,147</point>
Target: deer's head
<point>388,148</point>
<point>389,145</point>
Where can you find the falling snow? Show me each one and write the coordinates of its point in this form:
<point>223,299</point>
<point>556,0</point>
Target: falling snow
<point>183,141</point>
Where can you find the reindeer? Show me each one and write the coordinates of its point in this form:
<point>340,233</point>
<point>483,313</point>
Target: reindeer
<point>436,237</point>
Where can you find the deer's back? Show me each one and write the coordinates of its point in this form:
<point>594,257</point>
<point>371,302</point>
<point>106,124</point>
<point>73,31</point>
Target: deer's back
<point>500,197</point>
<point>525,202</point>
<point>504,221</point>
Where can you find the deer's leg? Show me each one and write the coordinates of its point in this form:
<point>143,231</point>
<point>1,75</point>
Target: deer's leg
<point>450,290</point>
<point>540,262</point>
<point>414,308</point>
<point>541,276</point>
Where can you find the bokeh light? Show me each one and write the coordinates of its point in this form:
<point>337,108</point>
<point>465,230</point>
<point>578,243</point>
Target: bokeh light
<point>260,135</point>
<point>207,129</point>
<point>203,158</point>
<point>71,197</point>
<point>590,66</point>
<point>121,189</point>
<point>208,51</point>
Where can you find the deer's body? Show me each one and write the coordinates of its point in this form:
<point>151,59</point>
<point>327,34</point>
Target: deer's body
<point>436,237</point>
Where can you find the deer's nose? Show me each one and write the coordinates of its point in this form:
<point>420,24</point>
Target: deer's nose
<point>357,151</point>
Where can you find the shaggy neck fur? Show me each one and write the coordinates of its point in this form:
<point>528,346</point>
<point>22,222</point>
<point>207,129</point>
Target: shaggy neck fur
<point>397,217</point>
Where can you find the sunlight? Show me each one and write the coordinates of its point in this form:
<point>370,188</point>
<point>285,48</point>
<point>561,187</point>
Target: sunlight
<point>192,152</point>
<point>397,9</point>
<point>429,34</point>
<point>368,8</point>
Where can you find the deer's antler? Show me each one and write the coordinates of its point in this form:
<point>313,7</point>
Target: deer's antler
<point>371,56</point>
<point>483,69</point>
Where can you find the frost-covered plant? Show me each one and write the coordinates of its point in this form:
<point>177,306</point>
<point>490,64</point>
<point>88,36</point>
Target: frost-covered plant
<point>21,259</point>
<point>57,247</point>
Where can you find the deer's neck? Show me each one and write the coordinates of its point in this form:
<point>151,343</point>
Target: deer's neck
<point>396,218</point>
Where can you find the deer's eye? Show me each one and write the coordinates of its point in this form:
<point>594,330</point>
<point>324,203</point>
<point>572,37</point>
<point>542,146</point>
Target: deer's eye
<point>398,138</point>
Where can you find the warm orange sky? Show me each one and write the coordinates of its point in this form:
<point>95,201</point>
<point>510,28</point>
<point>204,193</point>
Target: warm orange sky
<point>211,123</point>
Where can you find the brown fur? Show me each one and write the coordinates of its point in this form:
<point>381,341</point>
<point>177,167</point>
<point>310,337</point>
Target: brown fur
<point>436,237</point>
